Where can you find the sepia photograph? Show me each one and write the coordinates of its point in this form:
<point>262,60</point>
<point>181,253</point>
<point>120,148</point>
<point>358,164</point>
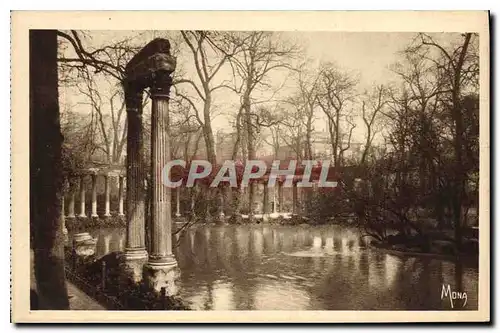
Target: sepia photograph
<point>300,175</point>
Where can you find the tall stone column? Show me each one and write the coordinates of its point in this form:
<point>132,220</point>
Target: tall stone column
<point>280,196</point>
<point>221,194</point>
<point>71,203</point>
<point>62,217</point>
<point>94,195</point>
<point>120,195</point>
<point>82,197</point>
<point>294,198</point>
<point>107,212</point>
<point>265,203</point>
<point>161,267</point>
<point>275,211</point>
<point>135,244</point>
<point>178,202</point>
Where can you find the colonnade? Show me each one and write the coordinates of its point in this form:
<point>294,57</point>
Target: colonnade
<point>278,207</point>
<point>81,191</point>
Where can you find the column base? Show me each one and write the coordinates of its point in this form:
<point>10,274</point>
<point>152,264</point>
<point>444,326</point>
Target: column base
<point>71,216</point>
<point>82,216</point>
<point>107,215</point>
<point>133,263</point>
<point>94,215</point>
<point>84,245</point>
<point>121,214</point>
<point>162,273</point>
<point>178,215</point>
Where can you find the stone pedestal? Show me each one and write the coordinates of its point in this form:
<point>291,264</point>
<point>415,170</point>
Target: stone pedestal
<point>133,264</point>
<point>162,276</point>
<point>84,245</point>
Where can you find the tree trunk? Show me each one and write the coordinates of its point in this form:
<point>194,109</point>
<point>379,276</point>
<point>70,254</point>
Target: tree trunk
<point>459,193</point>
<point>46,181</point>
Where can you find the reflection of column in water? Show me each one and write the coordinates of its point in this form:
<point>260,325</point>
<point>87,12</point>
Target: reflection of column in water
<point>221,249</point>
<point>392,264</point>
<point>374,276</point>
<point>355,245</point>
<point>267,245</point>
<point>258,241</point>
<point>329,245</point>
<point>242,241</point>
<point>317,264</point>
<point>191,239</point>
<point>355,250</point>
<point>317,242</point>
<point>344,246</point>
<point>275,240</point>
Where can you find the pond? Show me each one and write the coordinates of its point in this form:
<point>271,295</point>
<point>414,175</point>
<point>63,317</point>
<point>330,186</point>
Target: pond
<point>271,267</point>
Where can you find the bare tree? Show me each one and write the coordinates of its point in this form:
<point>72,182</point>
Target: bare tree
<point>372,107</point>
<point>457,67</point>
<point>336,96</point>
<point>262,54</point>
<point>210,51</point>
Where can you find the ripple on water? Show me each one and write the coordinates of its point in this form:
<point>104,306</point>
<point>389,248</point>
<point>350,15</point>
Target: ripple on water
<point>311,254</point>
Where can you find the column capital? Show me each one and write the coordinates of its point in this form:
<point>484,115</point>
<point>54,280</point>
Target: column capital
<point>160,85</point>
<point>151,66</point>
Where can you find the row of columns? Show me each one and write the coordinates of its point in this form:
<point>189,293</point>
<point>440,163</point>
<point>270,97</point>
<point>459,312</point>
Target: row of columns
<point>265,208</point>
<point>82,194</point>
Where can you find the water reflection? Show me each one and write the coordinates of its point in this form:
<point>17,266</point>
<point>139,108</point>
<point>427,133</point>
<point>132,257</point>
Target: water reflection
<point>315,268</point>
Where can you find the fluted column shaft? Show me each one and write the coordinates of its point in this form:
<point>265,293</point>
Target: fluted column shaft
<point>178,202</point>
<point>120,195</point>
<point>94,196</point>
<point>222,200</point>
<point>71,203</point>
<point>135,240</point>
<point>62,217</point>
<point>280,196</point>
<point>161,215</point>
<point>265,204</point>
<point>106,196</point>
<point>294,198</point>
<point>82,196</point>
